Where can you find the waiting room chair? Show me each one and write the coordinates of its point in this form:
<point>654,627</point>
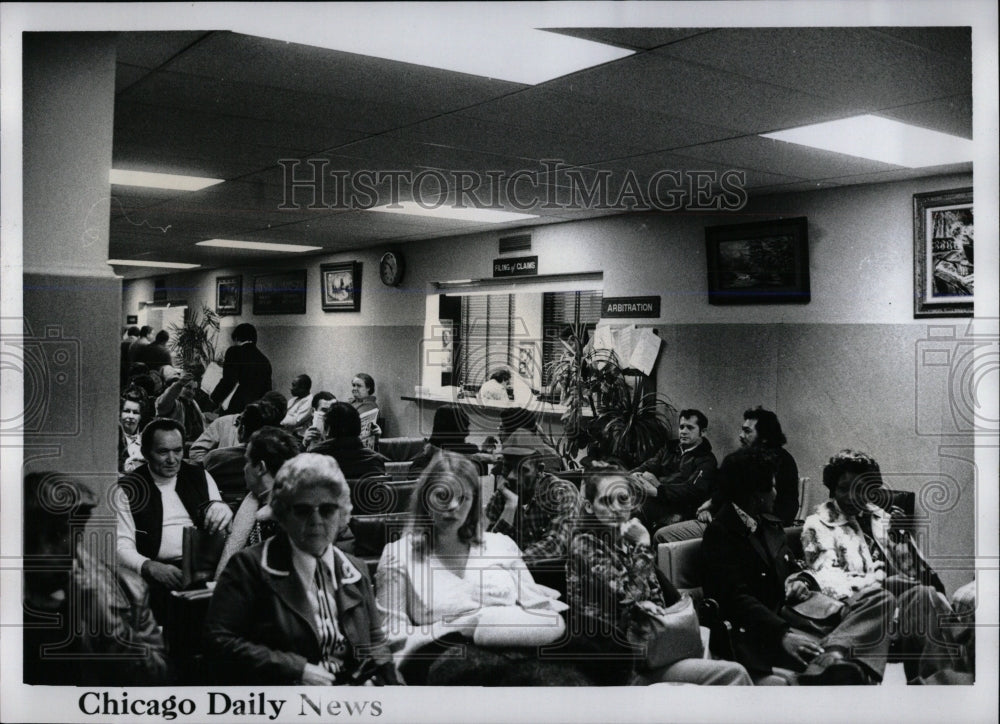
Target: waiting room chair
<point>401,449</point>
<point>372,533</point>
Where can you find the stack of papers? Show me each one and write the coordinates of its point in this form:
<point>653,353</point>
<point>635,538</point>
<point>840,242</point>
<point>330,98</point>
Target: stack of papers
<point>636,348</point>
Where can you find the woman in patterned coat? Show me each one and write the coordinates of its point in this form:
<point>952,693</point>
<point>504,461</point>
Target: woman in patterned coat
<point>611,569</point>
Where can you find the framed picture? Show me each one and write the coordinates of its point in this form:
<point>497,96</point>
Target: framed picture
<point>280,293</point>
<point>228,295</point>
<point>340,286</point>
<point>765,262</point>
<point>942,254</point>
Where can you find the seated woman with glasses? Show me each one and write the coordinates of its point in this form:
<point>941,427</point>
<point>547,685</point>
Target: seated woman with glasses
<point>611,569</point>
<point>294,609</point>
<point>446,579</point>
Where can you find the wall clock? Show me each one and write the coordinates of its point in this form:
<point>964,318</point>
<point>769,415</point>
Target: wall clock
<point>391,268</point>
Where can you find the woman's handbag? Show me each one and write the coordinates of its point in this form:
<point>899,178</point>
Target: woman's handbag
<point>664,636</point>
<point>819,614</point>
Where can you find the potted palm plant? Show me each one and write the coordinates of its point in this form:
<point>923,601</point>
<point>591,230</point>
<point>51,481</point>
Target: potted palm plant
<point>194,340</point>
<point>628,423</point>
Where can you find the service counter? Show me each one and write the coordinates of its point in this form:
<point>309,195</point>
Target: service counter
<point>484,417</point>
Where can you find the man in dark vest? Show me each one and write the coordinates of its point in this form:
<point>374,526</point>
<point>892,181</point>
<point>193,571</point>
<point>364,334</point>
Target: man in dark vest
<point>157,501</point>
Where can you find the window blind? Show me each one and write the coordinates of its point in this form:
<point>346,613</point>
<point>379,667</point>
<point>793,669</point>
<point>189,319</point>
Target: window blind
<point>560,309</point>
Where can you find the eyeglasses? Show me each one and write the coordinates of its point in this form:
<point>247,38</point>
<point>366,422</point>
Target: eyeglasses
<point>621,499</point>
<point>303,511</point>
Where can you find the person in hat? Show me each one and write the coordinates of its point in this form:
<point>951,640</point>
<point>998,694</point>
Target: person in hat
<point>532,506</point>
<point>82,627</point>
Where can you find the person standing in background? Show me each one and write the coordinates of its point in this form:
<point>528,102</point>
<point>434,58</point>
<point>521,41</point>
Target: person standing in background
<point>245,369</point>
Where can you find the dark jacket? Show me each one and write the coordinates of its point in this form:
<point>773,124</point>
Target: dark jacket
<point>421,460</point>
<point>103,633</point>
<point>786,483</point>
<point>260,629</point>
<point>687,479</point>
<point>246,365</point>
<point>153,355</point>
<point>146,504</point>
<point>354,459</point>
<point>361,466</point>
<point>746,574</point>
<point>225,465</point>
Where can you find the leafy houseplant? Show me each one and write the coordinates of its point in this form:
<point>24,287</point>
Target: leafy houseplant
<point>194,340</point>
<point>635,428</point>
<point>628,424</point>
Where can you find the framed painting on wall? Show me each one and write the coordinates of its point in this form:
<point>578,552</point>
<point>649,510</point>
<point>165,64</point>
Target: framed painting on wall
<point>765,262</point>
<point>228,295</point>
<point>340,286</point>
<point>280,293</point>
<point>942,254</point>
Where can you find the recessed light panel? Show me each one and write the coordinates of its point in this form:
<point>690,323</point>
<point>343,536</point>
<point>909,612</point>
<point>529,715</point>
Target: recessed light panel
<point>510,44</point>
<point>482,216</point>
<point>881,139</point>
<point>257,245</point>
<point>171,181</point>
<point>159,264</point>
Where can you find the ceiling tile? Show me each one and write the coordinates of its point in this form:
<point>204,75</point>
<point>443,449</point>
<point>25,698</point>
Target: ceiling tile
<point>320,71</point>
<point>153,49</point>
<point>473,134</point>
<point>949,115</point>
<point>255,100</point>
<point>639,38</point>
<point>629,128</point>
<point>230,106</point>
<point>694,92</point>
<point>230,134</point>
<point>873,70</point>
<point>791,159</point>
<point>955,42</point>
<point>127,75</point>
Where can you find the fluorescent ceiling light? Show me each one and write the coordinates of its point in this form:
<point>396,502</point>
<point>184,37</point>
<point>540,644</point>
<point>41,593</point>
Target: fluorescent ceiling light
<point>161,264</point>
<point>257,245</point>
<point>881,139</point>
<point>580,281</point>
<point>483,216</point>
<point>510,44</point>
<point>171,181</point>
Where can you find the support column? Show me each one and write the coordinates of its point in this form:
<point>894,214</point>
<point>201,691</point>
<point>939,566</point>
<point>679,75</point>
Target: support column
<point>72,300</point>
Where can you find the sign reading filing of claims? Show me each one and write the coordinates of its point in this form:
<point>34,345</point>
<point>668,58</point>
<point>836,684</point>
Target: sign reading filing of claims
<point>520,266</point>
<point>630,307</point>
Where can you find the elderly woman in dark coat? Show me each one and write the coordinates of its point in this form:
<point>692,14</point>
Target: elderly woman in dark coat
<point>294,609</point>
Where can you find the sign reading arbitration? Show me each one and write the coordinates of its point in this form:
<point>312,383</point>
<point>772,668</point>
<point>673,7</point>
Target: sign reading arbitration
<point>521,266</point>
<point>612,307</point>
